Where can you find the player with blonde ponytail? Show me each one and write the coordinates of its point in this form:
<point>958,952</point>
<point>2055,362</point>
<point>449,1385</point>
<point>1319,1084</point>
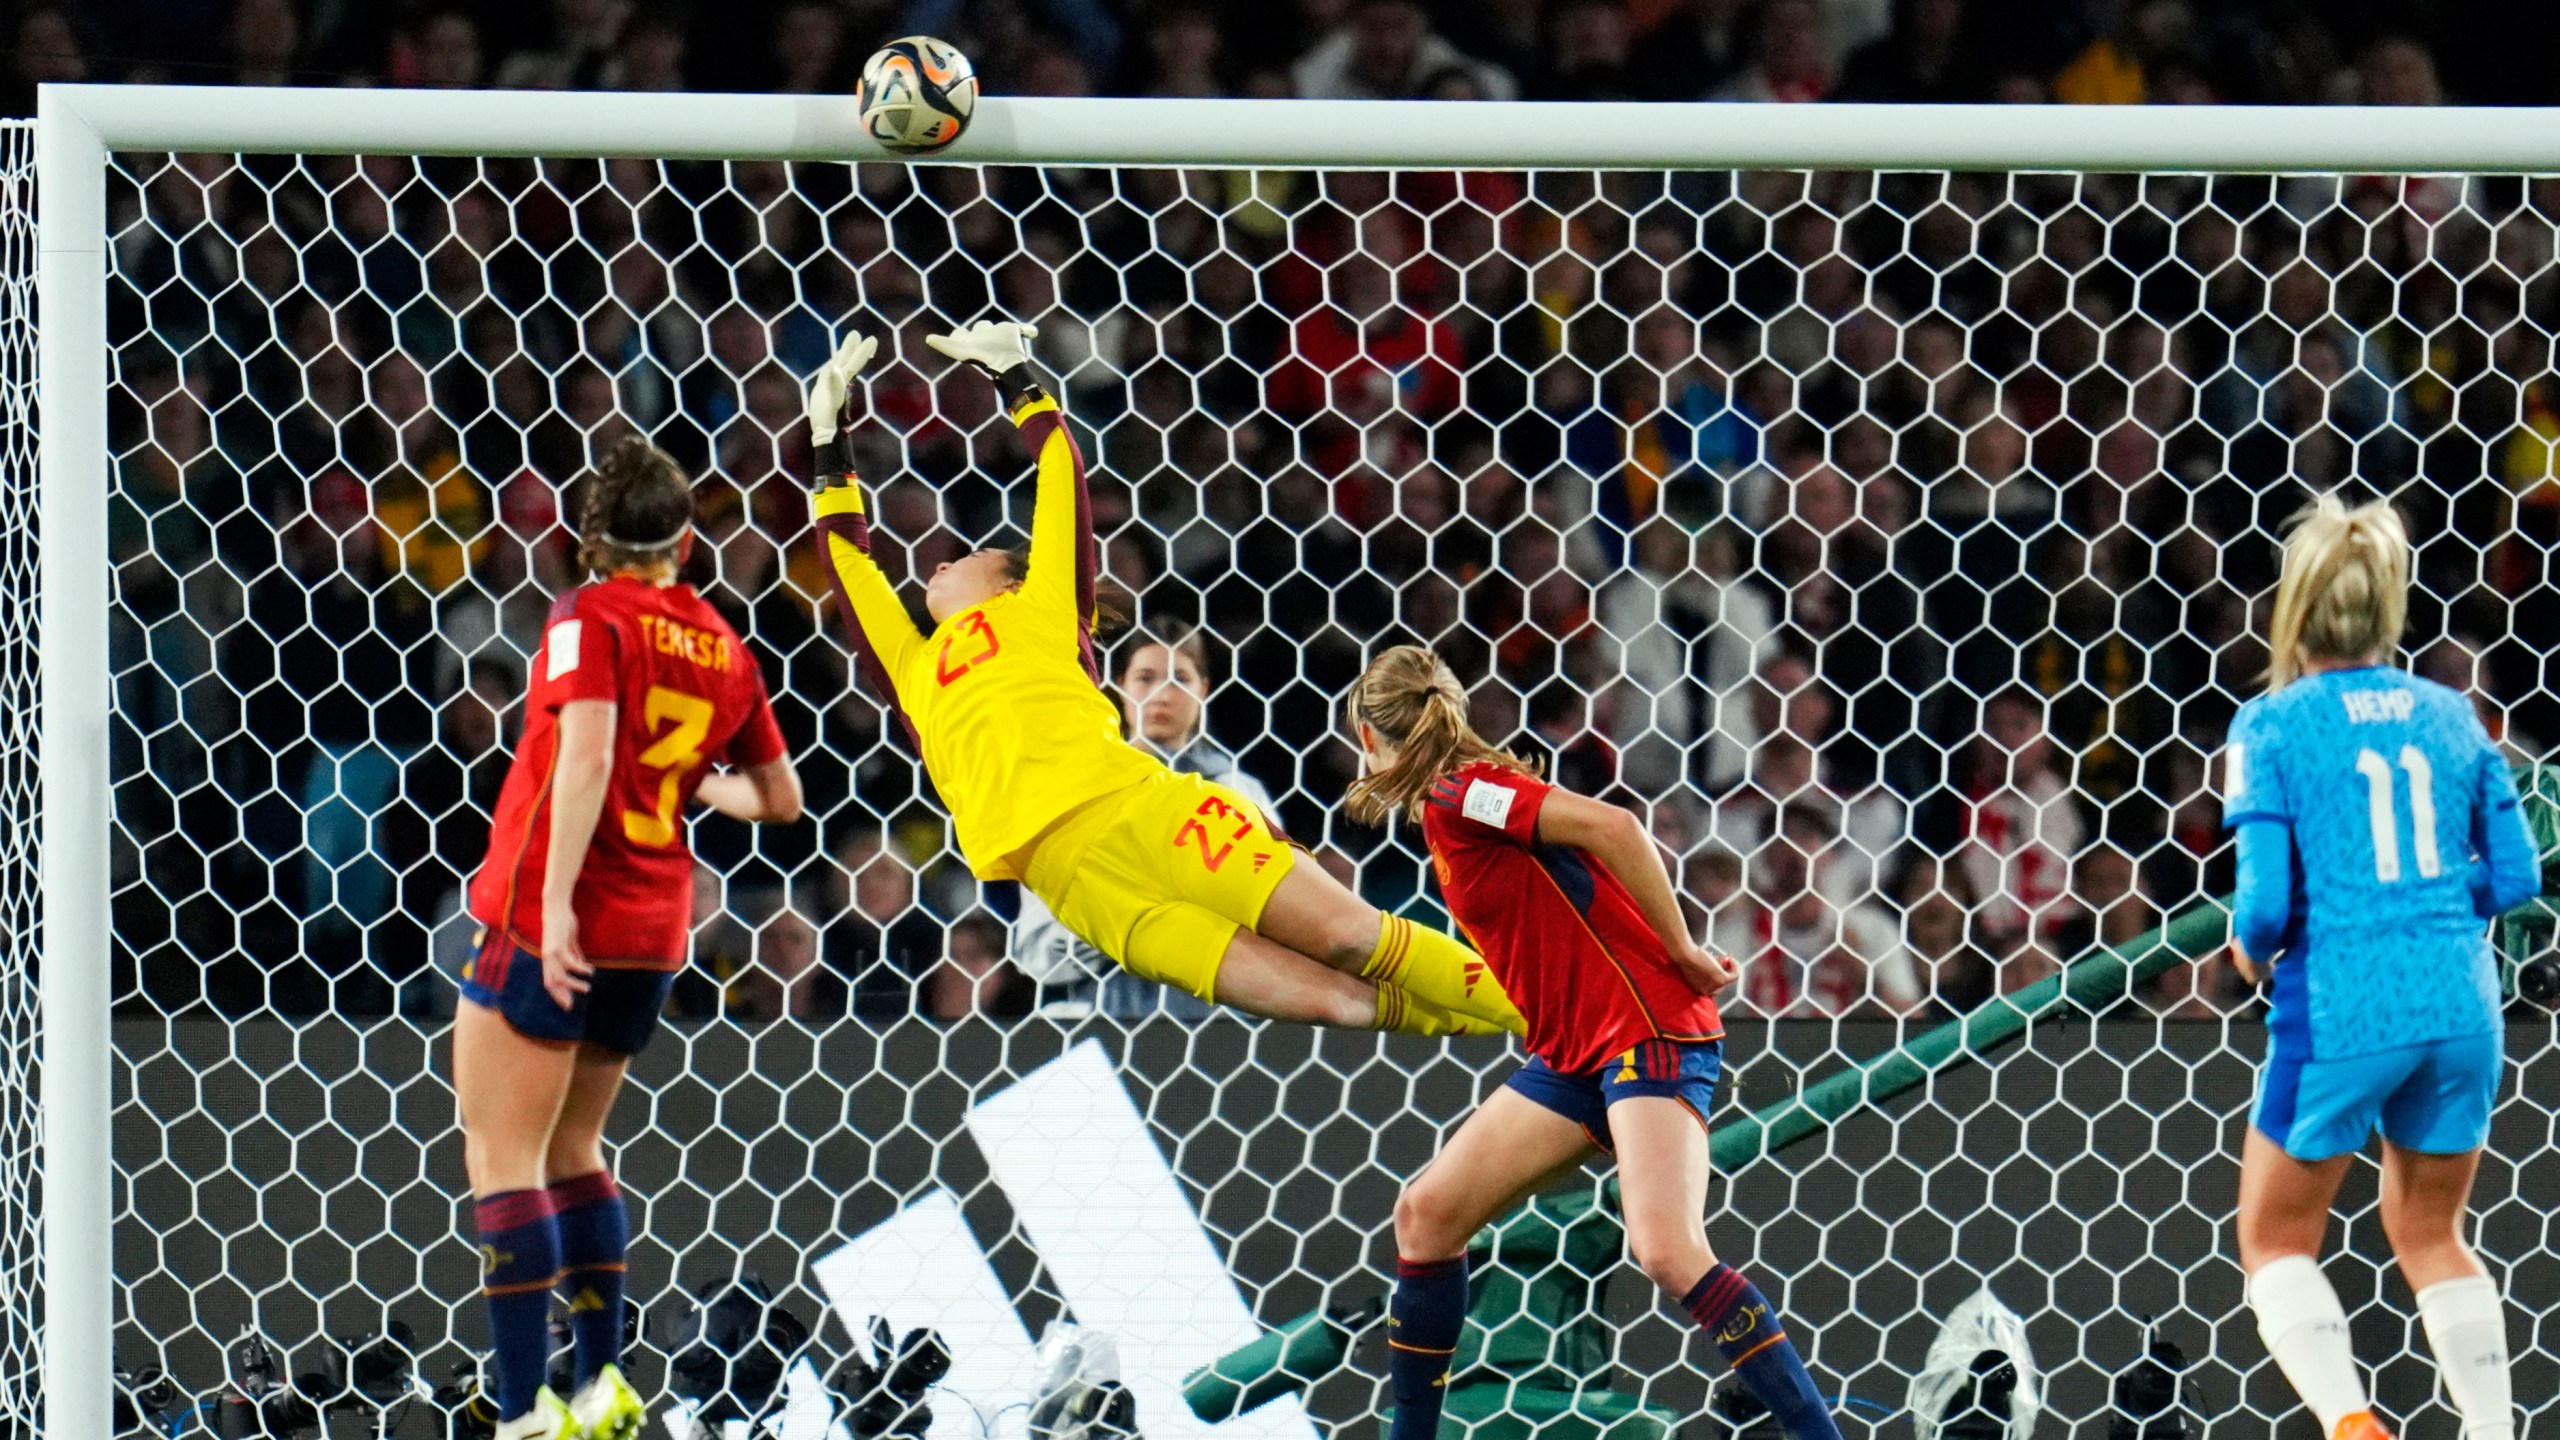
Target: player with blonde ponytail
<point>1570,903</point>
<point>2378,830</point>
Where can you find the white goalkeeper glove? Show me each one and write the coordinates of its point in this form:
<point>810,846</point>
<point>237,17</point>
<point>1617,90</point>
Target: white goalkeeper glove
<point>829,388</point>
<point>994,346</point>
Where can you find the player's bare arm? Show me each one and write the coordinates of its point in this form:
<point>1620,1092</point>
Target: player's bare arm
<point>577,799</point>
<point>758,794</point>
<point>1617,839</point>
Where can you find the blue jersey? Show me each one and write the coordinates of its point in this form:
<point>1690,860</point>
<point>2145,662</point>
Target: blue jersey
<point>2378,829</point>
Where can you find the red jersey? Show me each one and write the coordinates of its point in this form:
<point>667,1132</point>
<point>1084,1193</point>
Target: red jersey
<point>686,694</point>
<point>1561,933</point>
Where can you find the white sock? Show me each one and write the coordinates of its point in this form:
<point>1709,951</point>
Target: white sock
<point>2467,1328</point>
<point>2306,1331</point>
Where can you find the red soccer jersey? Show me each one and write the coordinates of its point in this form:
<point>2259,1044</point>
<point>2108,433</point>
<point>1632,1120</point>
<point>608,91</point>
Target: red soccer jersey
<point>1561,933</point>
<point>686,693</point>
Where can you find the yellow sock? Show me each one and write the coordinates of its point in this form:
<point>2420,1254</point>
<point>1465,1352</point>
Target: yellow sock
<point>1401,1013</point>
<point>1439,972</point>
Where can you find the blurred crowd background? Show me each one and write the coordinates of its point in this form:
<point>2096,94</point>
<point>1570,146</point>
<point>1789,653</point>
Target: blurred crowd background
<point>2390,52</point>
<point>1890,542</point>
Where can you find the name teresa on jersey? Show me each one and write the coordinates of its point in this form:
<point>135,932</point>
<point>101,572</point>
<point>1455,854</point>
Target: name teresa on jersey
<point>2375,707</point>
<point>703,648</point>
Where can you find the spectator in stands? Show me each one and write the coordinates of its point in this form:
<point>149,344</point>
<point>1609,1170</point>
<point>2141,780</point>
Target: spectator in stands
<point>1361,359</point>
<point>1868,822</point>
<point>2108,70</point>
<point>1386,52</point>
<point>449,791</point>
<point>48,51</point>
<point>2397,70</point>
<point>2455,663</point>
<point>1679,625</point>
<point>1185,54</point>
<point>1925,59</point>
<point>973,979</point>
<point>266,43</point>
<point>2023,831</point>
<point>1690,51</point>
<point>809,53</point>
<point>1588,53</point>
<point>722,947</point>
<point>998,35</point>
<point>783,981</point>
<point>880,944</point>
<point>1935,904</point>
<point>577,53</point>
<point>649,56</point>
<point>1804,957</point>
<point>1790,57</point>
<point>441,53</point>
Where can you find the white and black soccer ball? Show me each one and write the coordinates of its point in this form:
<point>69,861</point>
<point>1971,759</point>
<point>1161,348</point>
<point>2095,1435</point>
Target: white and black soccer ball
<point>917,94</point>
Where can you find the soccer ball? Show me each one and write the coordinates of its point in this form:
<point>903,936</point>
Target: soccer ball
<point>916,94</point>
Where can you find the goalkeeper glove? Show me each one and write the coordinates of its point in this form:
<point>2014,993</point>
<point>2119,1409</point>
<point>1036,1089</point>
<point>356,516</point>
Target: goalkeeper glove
<point>830,404</point>
<point>999,349</point>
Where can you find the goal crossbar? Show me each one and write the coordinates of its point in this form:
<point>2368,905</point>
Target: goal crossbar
<point>1328,133</point>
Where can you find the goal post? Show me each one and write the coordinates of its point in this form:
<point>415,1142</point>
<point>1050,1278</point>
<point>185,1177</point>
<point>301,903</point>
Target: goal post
<point>945,1160</point>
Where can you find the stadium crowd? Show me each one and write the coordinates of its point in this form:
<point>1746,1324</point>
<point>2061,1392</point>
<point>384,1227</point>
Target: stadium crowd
<point>2086,52</point>
<point>1889,541</point>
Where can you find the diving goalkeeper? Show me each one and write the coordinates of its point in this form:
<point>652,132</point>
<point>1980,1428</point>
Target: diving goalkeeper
<point>1178,879</point>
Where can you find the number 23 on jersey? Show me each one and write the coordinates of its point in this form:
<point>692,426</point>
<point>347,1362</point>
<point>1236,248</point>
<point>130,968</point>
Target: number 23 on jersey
<point>972,642</point>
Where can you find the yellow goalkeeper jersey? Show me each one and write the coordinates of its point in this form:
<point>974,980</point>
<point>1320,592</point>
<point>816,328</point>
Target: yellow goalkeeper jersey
<point>1002,698</point>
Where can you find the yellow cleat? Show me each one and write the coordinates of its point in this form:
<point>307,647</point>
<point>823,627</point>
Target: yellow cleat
<point>547,1420</point>
<point>607,1408</point>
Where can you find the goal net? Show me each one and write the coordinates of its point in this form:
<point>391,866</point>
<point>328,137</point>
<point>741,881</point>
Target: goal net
<point>1892,541</point>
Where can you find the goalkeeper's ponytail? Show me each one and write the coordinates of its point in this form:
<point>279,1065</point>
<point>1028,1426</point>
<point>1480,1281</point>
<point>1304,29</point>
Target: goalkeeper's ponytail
<point>1415,703</point>
<point>2344,594</point>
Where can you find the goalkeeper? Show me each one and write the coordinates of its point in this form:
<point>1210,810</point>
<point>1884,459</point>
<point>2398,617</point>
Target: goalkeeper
<point>1178,879</point>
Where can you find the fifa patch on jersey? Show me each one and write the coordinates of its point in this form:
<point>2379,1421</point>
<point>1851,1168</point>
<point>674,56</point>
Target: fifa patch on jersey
<point>1488,802</point>
<point>562,644</point>
<point>2233,769</point>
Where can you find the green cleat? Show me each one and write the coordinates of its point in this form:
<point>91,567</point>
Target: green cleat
<point>547,1420</point>
<point>607,1408</point>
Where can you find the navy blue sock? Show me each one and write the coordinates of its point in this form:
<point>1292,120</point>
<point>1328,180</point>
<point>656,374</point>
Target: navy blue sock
<point>594,1233</point>
<point>1423,1320</point>
<point>1745,1326</point>
<point>519,1263</point>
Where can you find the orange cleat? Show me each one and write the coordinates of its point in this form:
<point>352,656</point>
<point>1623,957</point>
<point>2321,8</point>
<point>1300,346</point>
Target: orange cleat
<point>2360,1426</point>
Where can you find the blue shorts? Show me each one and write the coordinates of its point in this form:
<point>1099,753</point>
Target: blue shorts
<point>619,1011</point>
<point>2433,1098</point>
<point>1682,1070</point>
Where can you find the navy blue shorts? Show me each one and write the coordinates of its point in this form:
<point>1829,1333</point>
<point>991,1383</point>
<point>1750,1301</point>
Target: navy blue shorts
<point>1682,1070</point>
<point>619,1012</point>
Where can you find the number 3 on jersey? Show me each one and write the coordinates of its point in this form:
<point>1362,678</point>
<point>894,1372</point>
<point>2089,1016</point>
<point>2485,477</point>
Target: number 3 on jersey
<point>688,718</point>
<point>2385,812</point>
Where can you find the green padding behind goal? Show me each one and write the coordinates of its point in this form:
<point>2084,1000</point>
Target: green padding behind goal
<point>1532,1330</point>
<point>2089,985</point>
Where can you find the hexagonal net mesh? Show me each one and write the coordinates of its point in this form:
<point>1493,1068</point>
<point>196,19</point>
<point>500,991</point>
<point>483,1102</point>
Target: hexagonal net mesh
<point>1890,540</point>
<point>21,1289</point>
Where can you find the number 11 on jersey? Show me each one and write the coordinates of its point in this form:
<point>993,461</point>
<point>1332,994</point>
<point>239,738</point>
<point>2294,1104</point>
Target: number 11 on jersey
<point>2384,809</point>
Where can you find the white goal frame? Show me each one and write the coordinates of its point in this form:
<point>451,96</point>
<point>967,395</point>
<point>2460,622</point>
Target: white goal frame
<point>78,126</point>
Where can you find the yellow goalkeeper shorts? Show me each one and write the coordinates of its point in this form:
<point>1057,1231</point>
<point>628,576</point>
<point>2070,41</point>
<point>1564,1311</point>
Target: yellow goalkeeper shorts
<point>1161,877</point>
